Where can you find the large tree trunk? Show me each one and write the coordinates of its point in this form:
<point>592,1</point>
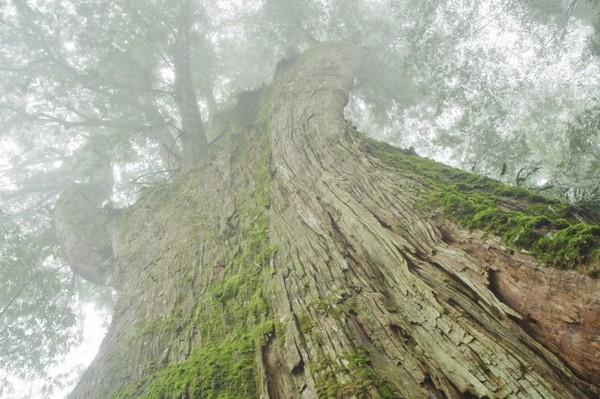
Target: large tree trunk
<point>295,263</point>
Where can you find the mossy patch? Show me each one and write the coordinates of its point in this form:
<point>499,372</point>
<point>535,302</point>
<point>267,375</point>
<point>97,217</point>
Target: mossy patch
<point>223,370</point>
<point>338,302</point>
<point>522,218</point>
<point>356,378</point>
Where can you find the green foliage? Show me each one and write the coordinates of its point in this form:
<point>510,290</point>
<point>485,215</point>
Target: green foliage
<point>523,219</point>
<point>460,94</point>
<point>38,326</point>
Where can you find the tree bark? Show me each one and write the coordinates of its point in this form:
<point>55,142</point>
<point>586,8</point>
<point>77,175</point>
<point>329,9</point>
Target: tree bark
<point>295,263</point>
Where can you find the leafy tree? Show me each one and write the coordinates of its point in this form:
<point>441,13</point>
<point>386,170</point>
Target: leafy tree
<point>485,95</point>
<point>37,323</point>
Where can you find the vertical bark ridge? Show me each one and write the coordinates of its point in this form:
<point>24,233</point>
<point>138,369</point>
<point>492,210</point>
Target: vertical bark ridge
<point>373,275</point>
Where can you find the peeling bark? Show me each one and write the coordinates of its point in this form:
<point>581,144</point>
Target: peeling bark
<point>362,292</point>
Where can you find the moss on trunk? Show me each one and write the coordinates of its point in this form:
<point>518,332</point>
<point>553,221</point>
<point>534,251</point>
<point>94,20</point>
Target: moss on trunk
<point>524,219</point>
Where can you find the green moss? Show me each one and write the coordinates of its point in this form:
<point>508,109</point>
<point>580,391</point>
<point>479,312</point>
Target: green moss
<point>356,378</point>
<point>524,219</point>
<point>519,192</point>
<point>368,376</point>
<point>224,370</point>
<point>573,245</point>
<point>145,328</point>
<point>338,302</point>
<point>280,330</point>
<point>305,323</point>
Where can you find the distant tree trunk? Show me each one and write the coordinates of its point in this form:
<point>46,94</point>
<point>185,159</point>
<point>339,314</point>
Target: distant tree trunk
<point>168,149</point>
<point>294,263</point>
<point>193,137</point>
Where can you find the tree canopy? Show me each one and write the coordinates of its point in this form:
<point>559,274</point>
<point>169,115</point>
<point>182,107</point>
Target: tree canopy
<point>126,92</point>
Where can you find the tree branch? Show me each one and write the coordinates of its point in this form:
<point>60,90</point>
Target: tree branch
<point>16,296</point>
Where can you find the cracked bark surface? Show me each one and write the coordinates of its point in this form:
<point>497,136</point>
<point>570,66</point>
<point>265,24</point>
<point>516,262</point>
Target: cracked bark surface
<point>423,308</point>
<point>364,284</point>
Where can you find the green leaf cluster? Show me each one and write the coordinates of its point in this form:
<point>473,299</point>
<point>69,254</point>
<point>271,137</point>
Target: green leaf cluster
<point>38,325</point>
